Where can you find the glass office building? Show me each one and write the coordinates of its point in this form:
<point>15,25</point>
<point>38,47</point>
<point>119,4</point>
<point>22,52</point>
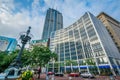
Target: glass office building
<point>87,46</point>
<point>53,22</point>
<point>7,44</point>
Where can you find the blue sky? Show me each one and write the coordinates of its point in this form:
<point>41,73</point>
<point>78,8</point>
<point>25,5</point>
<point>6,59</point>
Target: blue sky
<point>17,15</point>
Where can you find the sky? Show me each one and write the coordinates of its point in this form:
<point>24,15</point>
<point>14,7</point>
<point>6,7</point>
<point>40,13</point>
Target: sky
<point>17,15</point>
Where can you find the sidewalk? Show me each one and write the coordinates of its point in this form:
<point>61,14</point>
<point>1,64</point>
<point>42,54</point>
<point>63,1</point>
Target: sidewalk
<point>43,77</point>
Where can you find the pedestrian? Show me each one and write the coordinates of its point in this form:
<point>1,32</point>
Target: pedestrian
<point>39,71</point>
<point>112,76</point>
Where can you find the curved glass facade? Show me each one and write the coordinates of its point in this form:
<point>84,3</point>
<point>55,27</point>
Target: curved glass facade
<point>84,45</point>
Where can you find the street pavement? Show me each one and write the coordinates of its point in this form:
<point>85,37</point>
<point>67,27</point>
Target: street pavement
<point>65,77</point>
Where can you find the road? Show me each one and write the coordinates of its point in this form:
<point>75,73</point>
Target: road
<point>43,76</point>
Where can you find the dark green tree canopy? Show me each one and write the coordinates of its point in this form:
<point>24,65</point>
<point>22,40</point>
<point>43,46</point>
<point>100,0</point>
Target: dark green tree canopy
<point>42,55</point>
<point>6,59</point>
<point>39,56</point>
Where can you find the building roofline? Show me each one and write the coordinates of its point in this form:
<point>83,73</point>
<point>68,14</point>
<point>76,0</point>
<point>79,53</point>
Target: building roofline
<point>54,10</point>
<point>8,38</point>
<point>107,16</point>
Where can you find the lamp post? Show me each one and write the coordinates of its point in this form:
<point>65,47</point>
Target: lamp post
<point>25,37</point>
<point>14,70</point>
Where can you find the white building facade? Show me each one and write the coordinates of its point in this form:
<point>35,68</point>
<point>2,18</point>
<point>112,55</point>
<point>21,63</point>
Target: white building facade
<point>88,45</point>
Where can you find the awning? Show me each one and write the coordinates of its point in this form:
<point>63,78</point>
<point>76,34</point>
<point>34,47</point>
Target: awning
<point>83,67</point>
<point>68,66</point>
<point>74,66</point>
<point>104,66</point>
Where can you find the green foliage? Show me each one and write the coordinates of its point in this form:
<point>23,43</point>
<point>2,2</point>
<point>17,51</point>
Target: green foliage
<point>62,64</point>
<point>69,62</point>
<point>26,58</point>
<point>42,55</point>
<point>56,65</point>
<point>89,61</point>
<point>27,75</point>
<point>39,56</point>
<point>6,59</point>
<point>2,56</point>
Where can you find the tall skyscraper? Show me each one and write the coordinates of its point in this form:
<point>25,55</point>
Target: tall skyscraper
<point>87,43</point>
<point>113,27</point>
<point>53,22</point>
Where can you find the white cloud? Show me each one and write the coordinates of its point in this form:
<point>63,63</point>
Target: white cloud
<point>73,9</point>
<point>11,24</point>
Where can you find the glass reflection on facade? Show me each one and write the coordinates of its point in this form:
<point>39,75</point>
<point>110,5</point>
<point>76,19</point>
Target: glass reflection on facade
<point>7,44</point>
<point>53,22</point>
<point>87,44</point>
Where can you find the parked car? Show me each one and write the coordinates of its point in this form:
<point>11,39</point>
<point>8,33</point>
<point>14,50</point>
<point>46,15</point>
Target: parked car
<point>87,75</point>
<point>50,73</point>
<point>74,74</point>
<point>59,74</point>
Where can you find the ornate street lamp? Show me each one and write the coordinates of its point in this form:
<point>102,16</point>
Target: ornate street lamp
<point>25,37</point>
<point>14,70</point>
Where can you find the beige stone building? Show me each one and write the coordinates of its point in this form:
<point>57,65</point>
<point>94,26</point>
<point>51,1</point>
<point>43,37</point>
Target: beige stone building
<point>113,27</point>
<point>40,42</point>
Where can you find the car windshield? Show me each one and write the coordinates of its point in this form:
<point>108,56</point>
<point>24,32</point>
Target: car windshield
<point>86,73</point>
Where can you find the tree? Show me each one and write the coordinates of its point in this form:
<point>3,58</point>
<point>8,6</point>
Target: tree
<point>91,65</point>
<point>90,61</point>
<point>41,55</point>
<point>26,58</point>
<point>70,62</point>
<point>2,55</point>
<point>6,59</point>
